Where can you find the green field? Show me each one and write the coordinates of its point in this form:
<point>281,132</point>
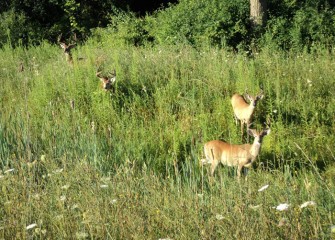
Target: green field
<point>81,163</point>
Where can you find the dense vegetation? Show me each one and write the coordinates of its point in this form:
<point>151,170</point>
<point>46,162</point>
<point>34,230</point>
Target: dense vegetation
<point>78,162</point>
<point>295,25</point>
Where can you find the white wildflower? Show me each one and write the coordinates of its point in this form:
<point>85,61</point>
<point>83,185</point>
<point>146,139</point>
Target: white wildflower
<point>65,187</point>
<point>58,170</point>
<point>263,188</point>
<point>9,170</point>
<point>103,186</point>
<point>113,201</point>
<point>62,198</point>
<point>75,206</point>
<point>42,158</point>
<point>31,226</point>
<point>282,207</point>
<point>309,82</point>
<point>308,203</point>
<point>81,235</point>
<point>275,111</point>
<point>219,217</point>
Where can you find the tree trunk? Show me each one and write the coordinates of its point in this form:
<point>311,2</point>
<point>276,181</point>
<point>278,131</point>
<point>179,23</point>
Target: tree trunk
<point>258,12</point>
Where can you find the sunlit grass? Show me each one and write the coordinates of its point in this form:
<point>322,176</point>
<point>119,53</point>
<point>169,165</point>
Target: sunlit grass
<point>77,162</point>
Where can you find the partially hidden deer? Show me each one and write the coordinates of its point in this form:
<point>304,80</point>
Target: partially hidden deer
<point>67,47</point>
<point>107,81</point>
<point>240,156</point>
<point>244,111</point>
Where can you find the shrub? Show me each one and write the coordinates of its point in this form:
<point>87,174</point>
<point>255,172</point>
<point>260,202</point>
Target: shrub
<point>202,22</point>
<point>300,27</point>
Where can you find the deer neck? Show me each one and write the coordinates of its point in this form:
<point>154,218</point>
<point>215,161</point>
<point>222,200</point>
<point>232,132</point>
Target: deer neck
<point>255,148</point>
<point>68,57</point>
<point>251,106</point>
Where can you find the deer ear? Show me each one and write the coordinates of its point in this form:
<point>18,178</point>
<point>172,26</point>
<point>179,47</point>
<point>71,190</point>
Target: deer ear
<point>251,132</point>
<point>112,79</point>
<point>266,132</point>
<point>249,97</point>
<point>260,96</point>
<point>62,45</point>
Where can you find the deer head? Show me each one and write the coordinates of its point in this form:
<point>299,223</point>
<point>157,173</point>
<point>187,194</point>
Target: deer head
<point>107,81</point>
<point>254,99</point>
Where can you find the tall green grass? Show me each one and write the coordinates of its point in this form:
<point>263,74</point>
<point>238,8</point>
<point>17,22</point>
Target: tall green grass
<point>125,165</point>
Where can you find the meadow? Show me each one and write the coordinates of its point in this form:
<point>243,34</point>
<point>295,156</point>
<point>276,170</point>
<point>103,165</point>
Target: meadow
<point>78,162</point>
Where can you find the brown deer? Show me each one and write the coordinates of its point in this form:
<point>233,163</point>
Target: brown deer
<point>67,47</point>
<point>244,111</point>
<point>107,81</point>
<point>244,155</point>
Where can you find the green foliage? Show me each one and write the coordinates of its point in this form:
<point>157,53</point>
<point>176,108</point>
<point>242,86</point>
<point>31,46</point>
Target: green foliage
<point>45,199</point>
<point>301,27</point>
<point>13,28</point>
<point>80,162</point>
<point>173,89</point>
<point>129,29</point>
<point>292,25</point>
<point>202,22</point>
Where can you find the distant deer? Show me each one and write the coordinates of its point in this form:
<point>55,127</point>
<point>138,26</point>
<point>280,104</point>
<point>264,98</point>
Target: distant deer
<point>107,81</point>
<point>67,47</point>
<point>244,111</point>
<point>234,155</point>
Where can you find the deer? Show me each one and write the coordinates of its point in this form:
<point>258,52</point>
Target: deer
<point>244,111</point>
<point>240,156</point>
<point>106,81</point>
<point>67,48</point>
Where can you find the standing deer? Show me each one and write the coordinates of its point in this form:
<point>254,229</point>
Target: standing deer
<point>244,155</point>
<point>106,81</point>
<point>244,111</point>
<point>67,48</point>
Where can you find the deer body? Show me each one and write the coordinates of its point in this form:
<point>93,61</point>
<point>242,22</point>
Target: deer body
<point>244,155</point>
<point>67,51</point>
<point>67,47</point>
<point>244,111</point>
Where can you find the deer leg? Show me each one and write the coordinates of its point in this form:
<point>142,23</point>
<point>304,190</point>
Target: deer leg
<point>235,119</point>
<point>248,125</point>
<point>242,126</point>
<point>239,170</point>
<point>213,167</point>
<point>246,170</point>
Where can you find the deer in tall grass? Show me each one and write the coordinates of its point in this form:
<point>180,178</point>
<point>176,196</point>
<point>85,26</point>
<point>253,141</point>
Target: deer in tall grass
<point>106,81</point>
<point>244,111</point>
<point>67,47</point>
<point>240,156</point>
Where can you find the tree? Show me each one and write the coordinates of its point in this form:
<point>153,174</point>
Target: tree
<point>258,10</point>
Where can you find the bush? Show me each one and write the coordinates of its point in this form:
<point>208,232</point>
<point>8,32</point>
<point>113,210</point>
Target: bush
<point>13,28</point>
<point>202,22</point>
<point>301,28</point>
